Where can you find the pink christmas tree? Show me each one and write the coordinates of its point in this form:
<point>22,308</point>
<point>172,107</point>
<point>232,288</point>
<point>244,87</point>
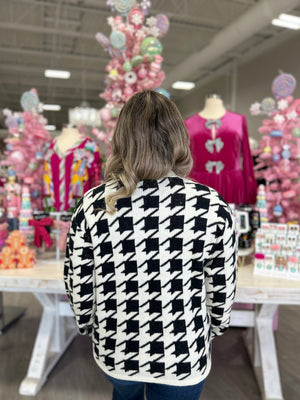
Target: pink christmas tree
<point>24,145</point>
<point>279,150</point>
<point>136,61</point>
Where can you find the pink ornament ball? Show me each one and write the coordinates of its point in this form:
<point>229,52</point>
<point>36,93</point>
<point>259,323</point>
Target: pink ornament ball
<point>105,114</point>
<point>156,64</point>
<point>136,17</point>
<point>162,24</point>
<point>128,92</point>
<point>118,22</point>
<point>142,73</point>
<point>116,95</point>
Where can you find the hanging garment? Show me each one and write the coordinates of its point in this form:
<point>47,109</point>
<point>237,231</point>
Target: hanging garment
<point>224,162</point>
<point>68,175</point>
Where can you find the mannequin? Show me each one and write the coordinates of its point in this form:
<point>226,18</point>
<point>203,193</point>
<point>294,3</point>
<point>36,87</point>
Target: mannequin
<point>69,136</point>
<point>221,154</point>
<point>213,108</point>
<point>71,167</point>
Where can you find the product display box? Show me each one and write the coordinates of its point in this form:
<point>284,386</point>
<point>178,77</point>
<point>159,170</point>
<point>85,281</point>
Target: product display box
<point>277,250</point>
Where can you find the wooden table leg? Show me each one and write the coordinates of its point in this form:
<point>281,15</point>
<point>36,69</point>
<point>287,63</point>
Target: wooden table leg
<point>264,356</point>
<point>56,331</point>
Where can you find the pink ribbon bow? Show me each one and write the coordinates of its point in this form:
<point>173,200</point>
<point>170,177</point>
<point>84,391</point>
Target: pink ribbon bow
<point>40,232</point>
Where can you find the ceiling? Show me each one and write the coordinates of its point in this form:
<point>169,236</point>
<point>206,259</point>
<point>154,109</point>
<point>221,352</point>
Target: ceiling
<point>60,34</point>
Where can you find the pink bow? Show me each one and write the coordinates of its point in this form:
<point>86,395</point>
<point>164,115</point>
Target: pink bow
<point>40,232</point>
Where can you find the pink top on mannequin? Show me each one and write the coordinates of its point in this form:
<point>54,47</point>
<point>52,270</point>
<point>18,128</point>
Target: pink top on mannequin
<point>221,153</point>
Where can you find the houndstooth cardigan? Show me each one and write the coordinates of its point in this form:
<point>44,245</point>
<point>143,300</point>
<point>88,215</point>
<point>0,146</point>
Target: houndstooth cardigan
<point>154,282</point>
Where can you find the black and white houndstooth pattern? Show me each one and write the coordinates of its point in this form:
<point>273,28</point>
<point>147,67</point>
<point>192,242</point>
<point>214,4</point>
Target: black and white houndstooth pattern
<point>154,282</point>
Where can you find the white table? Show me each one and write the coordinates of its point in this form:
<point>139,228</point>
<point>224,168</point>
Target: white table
<point>57,327</point>
<point>267,293</point>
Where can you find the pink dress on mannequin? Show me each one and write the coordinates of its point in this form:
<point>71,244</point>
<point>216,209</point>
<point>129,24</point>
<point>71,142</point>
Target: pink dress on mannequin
<point>225,163</point>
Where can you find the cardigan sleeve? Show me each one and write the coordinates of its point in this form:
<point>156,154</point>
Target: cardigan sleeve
<point>248,171</point>
<point>220,273</point>
<point>79,271</point>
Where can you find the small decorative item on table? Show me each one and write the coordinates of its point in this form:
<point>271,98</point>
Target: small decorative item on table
<point>41,225</point>
<point>25,215</point>
<point>277,250</point>
<point>16,254</point>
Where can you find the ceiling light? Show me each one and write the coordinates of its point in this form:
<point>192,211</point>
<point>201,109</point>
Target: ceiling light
<point>50,127</point>
<point>51,107</point>
<point>285,24</point>
<point>54,73</point>
<point>290,18</point>
<point>183,85</point>
<point>84,115</point>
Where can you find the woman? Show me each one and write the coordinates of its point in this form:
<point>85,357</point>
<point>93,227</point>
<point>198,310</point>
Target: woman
<point>150,269</point>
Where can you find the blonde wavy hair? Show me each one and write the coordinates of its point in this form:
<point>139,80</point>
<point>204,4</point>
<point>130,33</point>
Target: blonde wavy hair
<point>150,140</point>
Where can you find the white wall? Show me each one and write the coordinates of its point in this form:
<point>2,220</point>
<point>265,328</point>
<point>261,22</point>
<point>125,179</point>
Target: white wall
<point>253,84</point>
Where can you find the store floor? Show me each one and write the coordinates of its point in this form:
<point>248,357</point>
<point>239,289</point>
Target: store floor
<point>76,376</point>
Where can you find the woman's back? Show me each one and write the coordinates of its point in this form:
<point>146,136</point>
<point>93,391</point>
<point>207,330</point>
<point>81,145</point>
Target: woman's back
<point>155,281</point>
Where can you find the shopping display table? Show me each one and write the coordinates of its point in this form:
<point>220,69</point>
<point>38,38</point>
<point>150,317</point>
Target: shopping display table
<point>57,327</point>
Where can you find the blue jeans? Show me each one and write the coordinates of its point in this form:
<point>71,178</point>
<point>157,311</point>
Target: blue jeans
<point>130,390</point>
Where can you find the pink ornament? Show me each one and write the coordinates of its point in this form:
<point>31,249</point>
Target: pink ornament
<point>276,149</point>
<point>155,66</point>
<point>17,156</point>
<point>117,95</point>
<point>136,17</point>
<point>29,180</point>
<point>100,135</point>
<point>142,73</point>
<point>128,92</point>
<point>289,194</point>
<point>147,83</point>
<point>118,22</point>
<point>105,114</point>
